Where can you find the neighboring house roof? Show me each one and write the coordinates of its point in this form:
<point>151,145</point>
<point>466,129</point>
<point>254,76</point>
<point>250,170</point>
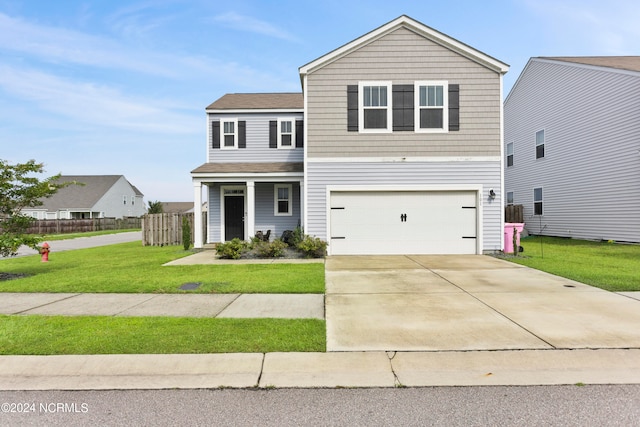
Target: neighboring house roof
<point>242,168</point>
<point>412,25</point>
<point>631,63</point>
<point>81,196</point>
<point>259,101</point>
<point>176,207</point>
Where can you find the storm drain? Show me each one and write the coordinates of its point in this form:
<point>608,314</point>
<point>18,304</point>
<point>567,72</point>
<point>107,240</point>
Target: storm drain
<point>190,286</point>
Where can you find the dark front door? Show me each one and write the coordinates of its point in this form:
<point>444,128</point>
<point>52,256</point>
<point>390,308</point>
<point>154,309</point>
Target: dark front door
<point>233,217</point>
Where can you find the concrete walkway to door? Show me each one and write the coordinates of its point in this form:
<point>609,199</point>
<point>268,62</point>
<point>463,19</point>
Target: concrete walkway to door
<point>474,302</point>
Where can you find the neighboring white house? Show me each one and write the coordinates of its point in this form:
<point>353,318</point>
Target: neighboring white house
<point>394,146</point>
<point>101,196</point>
<point>572,147</point>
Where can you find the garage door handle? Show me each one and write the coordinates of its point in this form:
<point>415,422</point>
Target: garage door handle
<point>403,217</point>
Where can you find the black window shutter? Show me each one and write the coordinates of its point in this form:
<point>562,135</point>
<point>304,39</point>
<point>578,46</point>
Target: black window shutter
<point>273,134</point>
<point>299,133</point>
<point>242,134</point>
<point>215,134</point>
<point>403,117</point>
<point>352,108</point>
<point>454,107</point>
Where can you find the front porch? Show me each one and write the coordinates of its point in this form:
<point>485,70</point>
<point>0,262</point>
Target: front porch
<point>244,198</point>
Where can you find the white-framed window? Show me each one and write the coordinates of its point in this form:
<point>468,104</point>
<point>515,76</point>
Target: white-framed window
<point>510,154</point>
<point>286,133</point>
<point>537,201</point>
<point>509,197</point>
<point>229,134</point>
<point>124,199</point>
<point>282,199</point>
<point>133,200</point>
<point>432,106</point>
<point>374,107</point>
<point>540,144</point>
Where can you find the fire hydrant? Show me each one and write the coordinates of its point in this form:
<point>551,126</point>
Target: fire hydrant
<point>44,251</point>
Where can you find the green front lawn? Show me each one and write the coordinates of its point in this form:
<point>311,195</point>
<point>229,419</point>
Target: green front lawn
<point>46,335</point>
<point>130,267</point>
<point>611,266</point>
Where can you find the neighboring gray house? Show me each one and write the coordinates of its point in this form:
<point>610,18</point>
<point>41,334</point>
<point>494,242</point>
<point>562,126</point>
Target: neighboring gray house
<point>400,150</point>
<point>101,196</point>
<point>572,147</point>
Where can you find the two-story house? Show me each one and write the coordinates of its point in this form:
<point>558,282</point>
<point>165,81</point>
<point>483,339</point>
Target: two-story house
<point>572,147</point>
<point>398,149</point>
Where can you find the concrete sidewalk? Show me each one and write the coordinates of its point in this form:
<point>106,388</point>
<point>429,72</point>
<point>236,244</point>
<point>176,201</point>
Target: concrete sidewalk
<point>284,306</point>
<point>309,370</point>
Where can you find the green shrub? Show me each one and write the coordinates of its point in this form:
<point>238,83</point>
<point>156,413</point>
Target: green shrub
<point>271,249</point>
<point>186,233</point>
<point>296,237</point>
<point>312,247</point>
<point>232,249</point>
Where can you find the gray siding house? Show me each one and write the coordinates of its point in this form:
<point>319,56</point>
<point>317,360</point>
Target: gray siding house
<point>101,196</point>
<point>401,149</point>
<point>572,147</point>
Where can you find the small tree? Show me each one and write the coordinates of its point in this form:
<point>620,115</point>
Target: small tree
<point>155,207</point>
<point>20,189</point>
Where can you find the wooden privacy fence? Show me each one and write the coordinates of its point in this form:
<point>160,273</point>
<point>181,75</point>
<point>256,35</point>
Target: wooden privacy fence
<point>514,213</point>
<point>166,228</point>
<point>61,226</point>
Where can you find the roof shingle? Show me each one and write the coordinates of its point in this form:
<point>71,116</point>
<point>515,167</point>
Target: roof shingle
<point>258,101</point>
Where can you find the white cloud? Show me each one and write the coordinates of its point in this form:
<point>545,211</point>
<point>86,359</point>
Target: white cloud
<point>97,105</point>
<point>253,25</point>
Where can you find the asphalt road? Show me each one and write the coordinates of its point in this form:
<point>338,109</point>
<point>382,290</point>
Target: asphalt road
<point>595,405</point>
<point>84,242</point>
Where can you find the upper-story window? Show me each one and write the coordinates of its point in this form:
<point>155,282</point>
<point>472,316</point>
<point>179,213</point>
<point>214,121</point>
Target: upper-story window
<point>510,154</point>
<point>228,134</point>
<point>229,137</point>
<point>432,107</point>
<point>540,144</point>
<point>374,109</point>
<point>124,199</point>
<point>286,134</point>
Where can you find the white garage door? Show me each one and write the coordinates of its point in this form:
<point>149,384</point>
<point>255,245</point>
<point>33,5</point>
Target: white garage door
<point>403,222</point>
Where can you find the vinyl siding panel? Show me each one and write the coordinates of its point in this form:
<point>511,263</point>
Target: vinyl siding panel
<point>257,133</point>
<point>590,174</point>
<point>403,57</point>
<point>401,174</point>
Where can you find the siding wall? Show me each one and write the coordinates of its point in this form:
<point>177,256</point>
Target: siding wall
<point>112,202</point>
<point>264,217</point>
<point>257,132</point>
<point>403,57</point>
<point>485,173</point>
<point>590,174</point>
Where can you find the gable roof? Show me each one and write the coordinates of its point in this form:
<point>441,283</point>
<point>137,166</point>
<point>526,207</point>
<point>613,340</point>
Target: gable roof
<point>419,28</point>
<point>258,101</point>
<point>631,63</point>
<point>82,196</point>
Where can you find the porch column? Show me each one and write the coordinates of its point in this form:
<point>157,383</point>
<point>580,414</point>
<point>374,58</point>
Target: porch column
<point>302,204</point>
<point>251,209</point>
<point>197,215</point>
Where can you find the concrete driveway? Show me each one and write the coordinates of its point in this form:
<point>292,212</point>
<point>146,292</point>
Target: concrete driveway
<point>475,302</point>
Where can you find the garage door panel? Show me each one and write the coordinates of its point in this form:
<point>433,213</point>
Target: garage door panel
<point>403,222</point>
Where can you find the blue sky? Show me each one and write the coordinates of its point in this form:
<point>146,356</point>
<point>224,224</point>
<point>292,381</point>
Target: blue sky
<point>120,87</point>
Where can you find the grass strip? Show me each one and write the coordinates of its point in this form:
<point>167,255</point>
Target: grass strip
<point>133,268</point>
<point>610,266</point>
<point>53,335</point>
